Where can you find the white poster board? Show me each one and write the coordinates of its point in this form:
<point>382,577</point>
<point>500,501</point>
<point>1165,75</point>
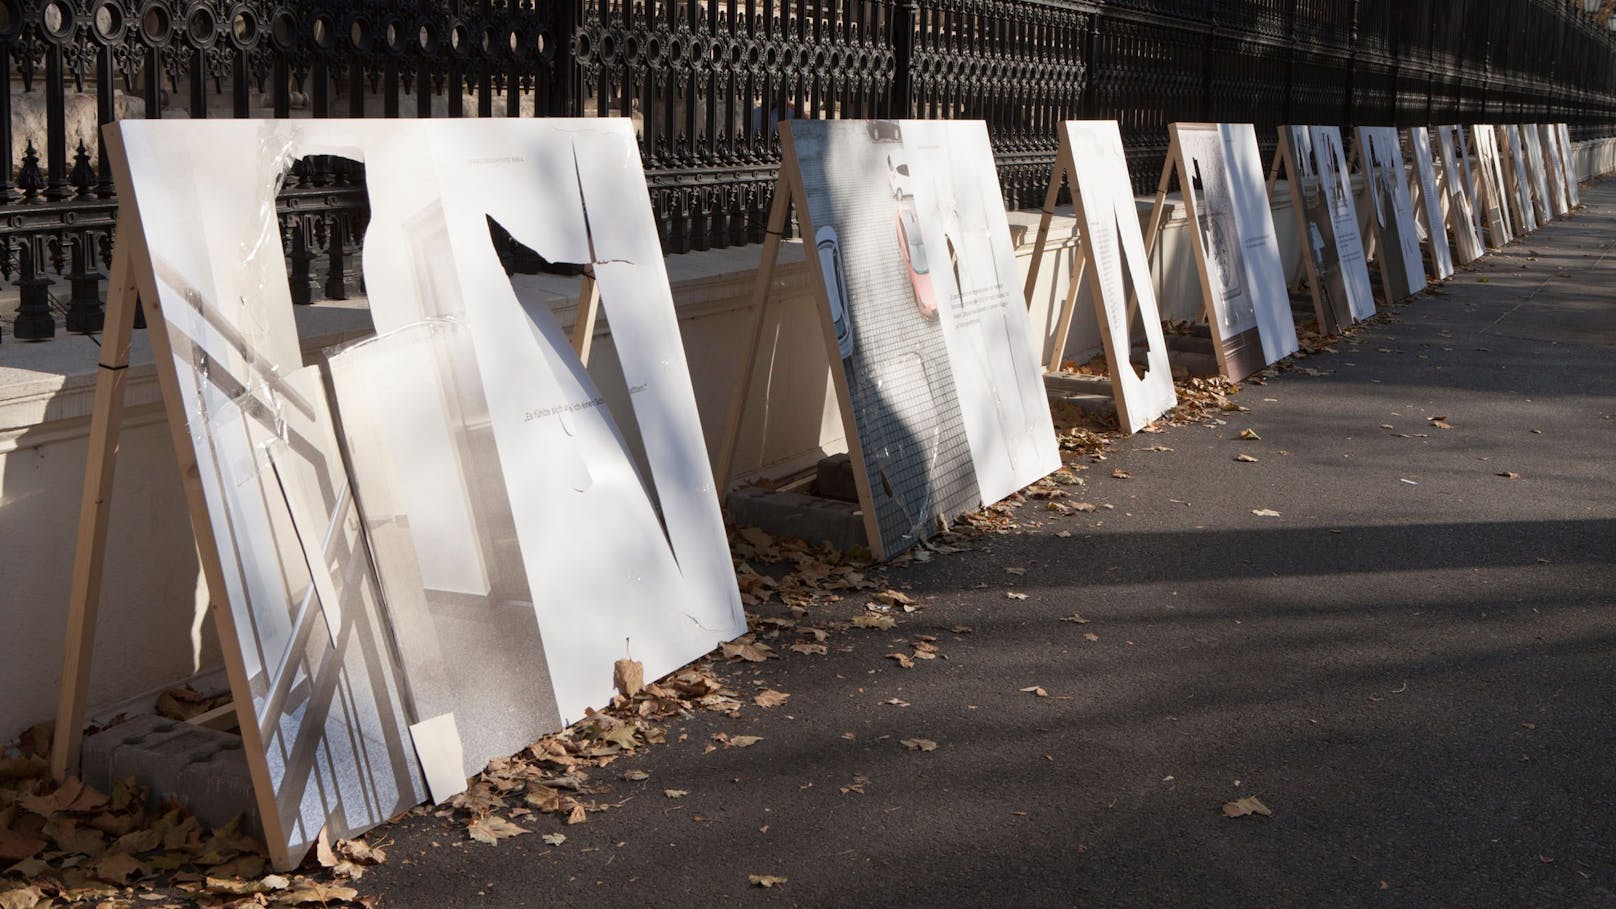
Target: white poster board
<point>1537,170</point>
<point>1495,207</point>
<point>1327,221</point>
<point>1517,180</point>
<point>1573,191</point>
<point>1391,212</point>
<point>1242,279</point>
<point>1459,195</point>
<point>933,361</point>
<point>1112,254</point>
<point>1554,169</point>
<point>560,550</point>
<point>1430,204</point>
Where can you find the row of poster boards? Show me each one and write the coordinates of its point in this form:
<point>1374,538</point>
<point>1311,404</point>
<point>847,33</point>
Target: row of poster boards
<point>428,548</point>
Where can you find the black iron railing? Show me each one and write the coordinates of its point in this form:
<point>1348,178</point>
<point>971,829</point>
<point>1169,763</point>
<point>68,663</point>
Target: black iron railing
<point>707,81</point>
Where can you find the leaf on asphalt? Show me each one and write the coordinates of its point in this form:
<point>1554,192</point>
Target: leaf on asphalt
<point>746,649</point>
<point>636,776</point>
<point>1036,691</point>
<point>1090,636</point>
<point>491,828</point>
<point>896,702</point>
<point>1441,423</point>
<point>1250,435</point>
<point>576,816</point>
<point>1075,618</point>
<point>675,793</point>
<point>919,744</point>
<point>765,880</point>
<point>1015,571</point>
<point>1011,594</point>
<point>806,647</point>
<point>1265,512</point>
<point>554,839</point>
<point>323,853</point>
<point>313,892</point>
<point>896,598</point>
<point>1244,806</point>
<point>903,660</point>
<point>1121,474</point>
<point>961,629</point>
<point>768,697</point>
<point>737,741</point>
<point>874,621</point>
<point>1245,459</point>
<point>1510,475</point>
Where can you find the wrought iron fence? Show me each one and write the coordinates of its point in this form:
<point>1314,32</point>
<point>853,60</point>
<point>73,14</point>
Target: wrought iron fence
<point>707,82</point>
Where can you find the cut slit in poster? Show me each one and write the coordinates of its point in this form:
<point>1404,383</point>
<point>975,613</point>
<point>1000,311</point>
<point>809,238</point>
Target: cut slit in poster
<point>1391,213</point>
<point>521,545</point>
<point>1459,196</point>
<point>930,343</point>
<point>1430,204</point>
<point>1326,218</point>
<point>1237,252</point>
<point>1113,256</point>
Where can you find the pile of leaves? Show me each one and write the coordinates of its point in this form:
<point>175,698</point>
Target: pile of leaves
<point>70,844</point>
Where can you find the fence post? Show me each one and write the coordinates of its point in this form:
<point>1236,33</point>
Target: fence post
<point>905,21</point>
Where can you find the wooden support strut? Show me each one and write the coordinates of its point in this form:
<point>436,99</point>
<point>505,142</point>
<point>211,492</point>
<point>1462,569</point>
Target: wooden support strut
<point>778,210</point>
<point>89,552</point>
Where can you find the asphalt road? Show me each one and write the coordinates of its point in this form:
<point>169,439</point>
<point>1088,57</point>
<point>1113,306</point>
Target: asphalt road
<point>1413,665</point>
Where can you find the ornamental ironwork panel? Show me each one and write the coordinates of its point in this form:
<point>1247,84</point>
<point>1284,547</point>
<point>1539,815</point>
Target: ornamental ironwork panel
<point>707,83</point>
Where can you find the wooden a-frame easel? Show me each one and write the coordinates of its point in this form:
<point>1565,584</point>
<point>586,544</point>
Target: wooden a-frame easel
<point>1118,359</point>
<point>1329,321</point>
<point>133,281</point>
<point>1238,356</point>
<point>788,190</point>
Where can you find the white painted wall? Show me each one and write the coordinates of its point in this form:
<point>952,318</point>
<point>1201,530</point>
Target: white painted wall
<point>153,629</point>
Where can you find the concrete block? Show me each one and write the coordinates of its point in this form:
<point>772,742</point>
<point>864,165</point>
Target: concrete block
<point>833,478</point>
<point>790,514</point>
<point>203,769</point>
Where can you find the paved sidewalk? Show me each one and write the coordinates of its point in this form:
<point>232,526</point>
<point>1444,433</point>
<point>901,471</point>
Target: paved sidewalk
<point>1413,665</point>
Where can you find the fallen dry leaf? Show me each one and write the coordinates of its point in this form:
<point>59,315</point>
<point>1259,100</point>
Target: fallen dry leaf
<point>1011,594</point>
<point>1245,459</point>
<point>636,776</point>
<point>742,741</point>
<point>1090,636</point>
<point>629,676</point>
<point>1075,618</point>
<point>1250,435</point>
<point>874,621</point>
<point>1244,806</point>
<point>919,744</point>
<point>1121,474</point>
<point>554,839</point>
<point>765,880</point>
<point>675,793</point>
<point>1265,512</point>
<point>902,659</point>
<point>21,898</point>
<point>492,828</point>
<point>1036,691</point>
<point>807,647</point>
<point>1509,475</point>
<point>768,697</point>
<point>1441,423</point>
<point>748,650</point>
<point>313,892</point>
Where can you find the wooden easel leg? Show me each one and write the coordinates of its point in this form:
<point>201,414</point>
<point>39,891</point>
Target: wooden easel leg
<point>778,210</point>
<point>1042,237</point>
<point>1063,328</point>
<point>583,321</point>
<point>89,553</point>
